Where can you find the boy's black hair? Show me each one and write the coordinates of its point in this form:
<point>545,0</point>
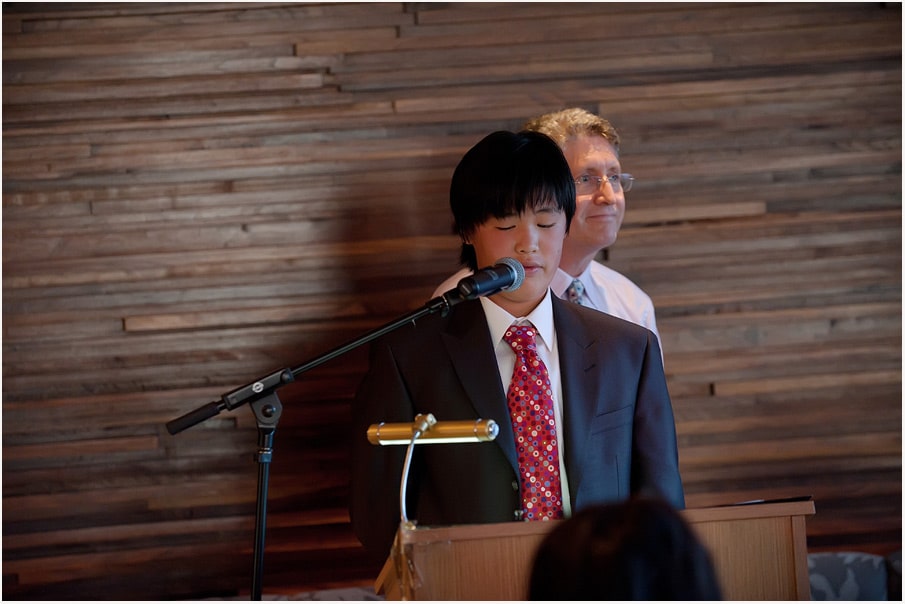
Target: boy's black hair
<point>503,175</point>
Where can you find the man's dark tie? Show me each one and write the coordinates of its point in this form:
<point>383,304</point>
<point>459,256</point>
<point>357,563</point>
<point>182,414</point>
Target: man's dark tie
<point>575,292</point>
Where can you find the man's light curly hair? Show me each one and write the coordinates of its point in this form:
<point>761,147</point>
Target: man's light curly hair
<point>568,123</point>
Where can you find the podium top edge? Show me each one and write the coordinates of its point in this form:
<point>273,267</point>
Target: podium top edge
<point>750,510</point>
<point>432,534</point>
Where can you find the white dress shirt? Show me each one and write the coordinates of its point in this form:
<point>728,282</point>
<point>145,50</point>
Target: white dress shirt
<point>611,292</point>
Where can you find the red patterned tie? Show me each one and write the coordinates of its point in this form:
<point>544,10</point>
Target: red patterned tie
<point>530,400</point>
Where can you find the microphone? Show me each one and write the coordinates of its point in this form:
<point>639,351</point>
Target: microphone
<point>428,430</point>
<point>506,275</point>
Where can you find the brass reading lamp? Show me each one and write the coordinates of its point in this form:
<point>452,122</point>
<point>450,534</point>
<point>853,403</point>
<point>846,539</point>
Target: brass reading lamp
<point>423,430</point>
<point>426,430</point>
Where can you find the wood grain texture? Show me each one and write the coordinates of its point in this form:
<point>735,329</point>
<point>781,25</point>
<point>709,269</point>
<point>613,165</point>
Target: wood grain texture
<point>198,194</point>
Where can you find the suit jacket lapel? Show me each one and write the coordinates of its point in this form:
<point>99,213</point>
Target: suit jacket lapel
<point>467,340</point>
<point>580,372</point>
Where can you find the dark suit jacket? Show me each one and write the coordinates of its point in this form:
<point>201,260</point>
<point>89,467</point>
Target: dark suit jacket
<point>618,426</point>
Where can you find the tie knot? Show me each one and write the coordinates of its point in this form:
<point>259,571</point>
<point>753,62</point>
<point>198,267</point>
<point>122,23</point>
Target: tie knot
<point>575,292</point>
<point>521,337</point>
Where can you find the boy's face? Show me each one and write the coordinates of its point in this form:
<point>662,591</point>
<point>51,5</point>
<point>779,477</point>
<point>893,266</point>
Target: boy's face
<point>535,239</point>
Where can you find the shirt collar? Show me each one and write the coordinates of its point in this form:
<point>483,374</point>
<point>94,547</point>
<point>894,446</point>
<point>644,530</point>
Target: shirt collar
<point>562,280</point>
<point>499,320</point>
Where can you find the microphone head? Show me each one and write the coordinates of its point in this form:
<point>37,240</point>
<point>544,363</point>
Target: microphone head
<point>506,274</point>
<point>517,269</point>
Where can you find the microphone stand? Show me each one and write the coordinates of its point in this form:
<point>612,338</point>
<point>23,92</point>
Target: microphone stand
<point>265,404</point>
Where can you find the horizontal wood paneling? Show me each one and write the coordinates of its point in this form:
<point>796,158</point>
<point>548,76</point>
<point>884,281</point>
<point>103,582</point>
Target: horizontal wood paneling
<point>199,194</point>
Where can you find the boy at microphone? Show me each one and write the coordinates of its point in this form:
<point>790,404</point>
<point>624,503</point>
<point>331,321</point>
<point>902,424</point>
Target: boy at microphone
<point>580,397</point>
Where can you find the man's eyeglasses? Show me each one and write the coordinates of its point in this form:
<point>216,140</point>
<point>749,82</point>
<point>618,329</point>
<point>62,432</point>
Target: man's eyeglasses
<point>587,184</point>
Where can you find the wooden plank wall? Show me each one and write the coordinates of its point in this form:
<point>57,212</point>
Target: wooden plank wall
<point>195,195</point>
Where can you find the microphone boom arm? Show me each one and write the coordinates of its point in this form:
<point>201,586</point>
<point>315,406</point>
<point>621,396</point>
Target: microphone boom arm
<point>266,385</point>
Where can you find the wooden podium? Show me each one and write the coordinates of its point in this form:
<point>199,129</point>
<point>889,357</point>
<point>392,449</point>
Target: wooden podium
<point>759,551</point>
